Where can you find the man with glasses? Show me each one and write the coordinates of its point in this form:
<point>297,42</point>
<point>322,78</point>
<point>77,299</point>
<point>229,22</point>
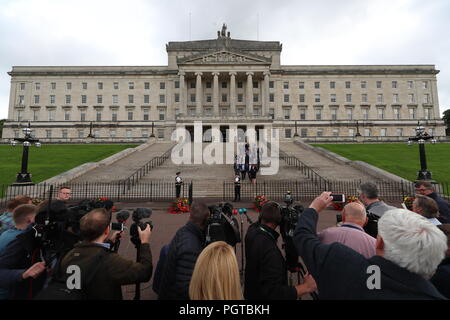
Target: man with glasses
<point>425,188</point>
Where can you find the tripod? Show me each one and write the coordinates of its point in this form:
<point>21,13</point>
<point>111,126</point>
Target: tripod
<point>137,290</point>
<point>301,273</point>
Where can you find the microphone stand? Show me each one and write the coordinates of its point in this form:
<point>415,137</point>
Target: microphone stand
<point>242,244</point>
<point>137,290</point>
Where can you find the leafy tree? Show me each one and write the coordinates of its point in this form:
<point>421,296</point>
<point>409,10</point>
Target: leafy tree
<point>446,119</point>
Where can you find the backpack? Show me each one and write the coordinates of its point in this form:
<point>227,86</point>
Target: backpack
<point>57,288</point>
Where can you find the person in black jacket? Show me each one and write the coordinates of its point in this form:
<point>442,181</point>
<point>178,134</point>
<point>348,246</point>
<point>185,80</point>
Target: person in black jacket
<point>408,251</point>
<point>441,279</point>
<point>184,250</point>
<point>425,188</point>
<point>265,269</point>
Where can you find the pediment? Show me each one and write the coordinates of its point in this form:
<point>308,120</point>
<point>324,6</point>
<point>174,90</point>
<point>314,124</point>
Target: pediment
<point>224,57</point>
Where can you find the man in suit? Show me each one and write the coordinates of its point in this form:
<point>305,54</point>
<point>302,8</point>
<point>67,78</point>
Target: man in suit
<point>408,250</point>
<point>178,183</point>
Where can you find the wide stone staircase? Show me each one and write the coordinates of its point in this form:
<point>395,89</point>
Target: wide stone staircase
<point>125,167</point>
<point>325,167</point>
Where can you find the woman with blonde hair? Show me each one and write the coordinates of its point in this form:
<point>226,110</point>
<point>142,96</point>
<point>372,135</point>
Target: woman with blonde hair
<point>216,274</point>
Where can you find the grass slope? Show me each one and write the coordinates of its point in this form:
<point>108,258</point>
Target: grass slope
<point>51,160</point>
<point>399,159</point>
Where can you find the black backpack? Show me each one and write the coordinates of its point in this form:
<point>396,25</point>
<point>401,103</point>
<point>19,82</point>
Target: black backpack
<point>57,288</point>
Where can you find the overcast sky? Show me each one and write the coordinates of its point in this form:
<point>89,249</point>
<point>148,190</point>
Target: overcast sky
<point>134,32</point>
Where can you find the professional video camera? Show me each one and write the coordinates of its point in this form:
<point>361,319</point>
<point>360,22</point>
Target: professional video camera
<point>289,218</point>
<point>138,215</point>
<point>76,212</point>
<point>221,225</point>
<point>57,227</point>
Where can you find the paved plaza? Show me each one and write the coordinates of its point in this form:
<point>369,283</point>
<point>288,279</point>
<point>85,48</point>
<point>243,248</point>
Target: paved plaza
<point>165,227</point>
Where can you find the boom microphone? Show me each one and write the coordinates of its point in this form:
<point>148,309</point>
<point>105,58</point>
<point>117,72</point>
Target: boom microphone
<point>141,213</point>
<point>122,216</point>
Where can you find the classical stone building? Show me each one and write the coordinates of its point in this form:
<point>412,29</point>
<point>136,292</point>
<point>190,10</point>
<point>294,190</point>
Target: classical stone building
<point>226,83</point>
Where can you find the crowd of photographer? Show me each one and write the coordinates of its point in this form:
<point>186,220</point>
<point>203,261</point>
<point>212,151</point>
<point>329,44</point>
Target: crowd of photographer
<point>377,251</point>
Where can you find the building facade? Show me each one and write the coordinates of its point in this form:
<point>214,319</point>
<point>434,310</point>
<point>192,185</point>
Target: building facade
<point>227,84</point>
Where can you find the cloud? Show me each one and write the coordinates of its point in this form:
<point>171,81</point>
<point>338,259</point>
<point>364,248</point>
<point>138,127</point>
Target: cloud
<point>134,32</point>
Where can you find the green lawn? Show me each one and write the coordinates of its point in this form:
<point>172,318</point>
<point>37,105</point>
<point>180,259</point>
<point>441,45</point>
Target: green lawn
<point>400,159</point>
<point>51,160</point>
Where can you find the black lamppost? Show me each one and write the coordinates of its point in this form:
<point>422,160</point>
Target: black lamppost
<point>153,125</point>
<point>357,129</point>
<point>90,135</point>
<point>24,177</point>
<point>296,133</point>
<point>420,137</point>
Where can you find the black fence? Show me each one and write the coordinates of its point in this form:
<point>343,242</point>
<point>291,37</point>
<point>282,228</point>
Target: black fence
<point>121,191</point>
<point>307,190</point>
<point>165,190</point>
<point>153,163</point>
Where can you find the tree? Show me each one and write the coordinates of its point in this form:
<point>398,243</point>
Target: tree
<point>446,119</point>
<point>2,121</point>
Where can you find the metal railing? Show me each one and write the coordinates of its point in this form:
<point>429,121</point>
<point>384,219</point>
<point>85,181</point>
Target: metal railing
<point>308,190</point>
<point>134,178</point>
<point>304,169</point>
<point>117,191</point>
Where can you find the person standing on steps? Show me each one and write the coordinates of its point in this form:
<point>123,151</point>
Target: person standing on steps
<point>178,183</point>
<point>237,188</point>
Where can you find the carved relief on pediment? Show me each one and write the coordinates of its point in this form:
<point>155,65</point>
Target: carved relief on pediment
<point>223,57</point>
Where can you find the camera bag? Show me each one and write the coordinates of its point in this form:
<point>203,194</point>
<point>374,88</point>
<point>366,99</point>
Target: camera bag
<point>57,288</point>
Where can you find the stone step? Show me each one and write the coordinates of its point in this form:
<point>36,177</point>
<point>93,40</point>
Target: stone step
<point>323,166</point>
<point>123,168</point>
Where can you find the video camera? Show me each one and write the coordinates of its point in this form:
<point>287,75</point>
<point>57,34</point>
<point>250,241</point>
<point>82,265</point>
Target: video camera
<point>138,215</point>
<point>76,212</point>
<point>289,218</point>
<point>221,225</point>
<point>57,227</point>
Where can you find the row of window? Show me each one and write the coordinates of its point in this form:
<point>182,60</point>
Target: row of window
<point>348,84</point>
<point>426,98</point>
<point>367,132</point>
<point>160,134</point>
<point>349,115</point>
<point>51,115</point>
<point>99,99</point>
<point>349,98</point>
<point>240,111</point>
<point>81,133</point>
<point>240,84</point>
<point>84,85</point>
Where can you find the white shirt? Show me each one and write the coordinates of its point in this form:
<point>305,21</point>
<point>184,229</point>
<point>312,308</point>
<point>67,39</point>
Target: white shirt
<point>434,221</point>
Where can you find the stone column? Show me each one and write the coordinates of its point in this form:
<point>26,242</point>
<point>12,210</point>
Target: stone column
<point>233,92</point>
<point>215,93</point>
<point>249,110</point>
<point>265,93</point>
<point>198,94</point>
<point>183,94</point>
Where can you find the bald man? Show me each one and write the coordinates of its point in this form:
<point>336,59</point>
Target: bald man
<point>351,232</point>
